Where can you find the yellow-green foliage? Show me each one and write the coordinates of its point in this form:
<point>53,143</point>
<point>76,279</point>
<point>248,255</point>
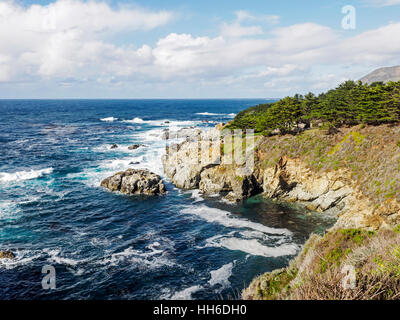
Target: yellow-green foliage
<point>369,153</point>
<point>354,135</point>
<point>318,272</point>
<point>271,286</point>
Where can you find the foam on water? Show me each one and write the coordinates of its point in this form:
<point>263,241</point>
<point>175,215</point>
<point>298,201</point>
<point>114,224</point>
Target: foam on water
<point>221,276</point>
<point>253,246</point>
<point>163,122</point>
<point>231,115</point>
<point>22,257</point>
<point>120,148</point>
<point>109,119</point>
<point>225,218</point>
<point>155,255</point>
<point>196,195</point>
<point>8,209</point>
<point>186,294</point>
<point>55,257</point>
<point>24,175</point>
<point>65,223</point>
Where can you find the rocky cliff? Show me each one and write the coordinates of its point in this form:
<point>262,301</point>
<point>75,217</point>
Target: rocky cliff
<point>335,191</point>
<point>353,175</point>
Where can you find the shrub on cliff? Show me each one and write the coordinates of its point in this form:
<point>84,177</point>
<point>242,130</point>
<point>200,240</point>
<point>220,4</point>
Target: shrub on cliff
<point>321,271</point>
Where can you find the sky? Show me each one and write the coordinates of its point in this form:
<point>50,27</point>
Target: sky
<point>191,49</point>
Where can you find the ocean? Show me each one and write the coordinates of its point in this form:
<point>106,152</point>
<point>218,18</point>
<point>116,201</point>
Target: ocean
<point>103,245</point>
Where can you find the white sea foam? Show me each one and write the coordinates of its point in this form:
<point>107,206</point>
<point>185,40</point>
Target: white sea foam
<point>120,148</point>
<point>22,257</point>
<point>24,175</point>
<point>253,246</point>
<point>226,219</point>
<point>163,122</point>
<point>109,119</point>
<point>221,276</point>
<point>155,256</point>
<point>216,114</point>
<point>55,257</point>
<point>135,120</point>
<point>196,195</point>
<point>8,209</point>
<point>186,294</point>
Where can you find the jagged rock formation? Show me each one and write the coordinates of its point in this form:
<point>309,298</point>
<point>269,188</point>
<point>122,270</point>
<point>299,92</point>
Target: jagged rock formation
<point>189,168</point>
<point>385,74</point>
<point>332,192</point>
<point>134,181</point>
<point>352,174</point>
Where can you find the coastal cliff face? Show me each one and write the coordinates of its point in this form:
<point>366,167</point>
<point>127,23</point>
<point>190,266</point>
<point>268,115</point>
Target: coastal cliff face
<point>196,164</point>
<point>332,192</point>
<point>336,189</point>
<point>353,175</point>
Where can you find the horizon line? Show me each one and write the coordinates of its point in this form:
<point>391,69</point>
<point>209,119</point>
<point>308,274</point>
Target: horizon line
<point>2,99</point>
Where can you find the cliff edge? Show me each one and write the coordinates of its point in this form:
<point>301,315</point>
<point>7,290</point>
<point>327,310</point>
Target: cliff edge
<point>352,174</point>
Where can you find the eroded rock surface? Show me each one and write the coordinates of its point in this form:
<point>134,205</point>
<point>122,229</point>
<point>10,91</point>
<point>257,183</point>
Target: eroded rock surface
<point>333,192</point>
<point>134,181</point>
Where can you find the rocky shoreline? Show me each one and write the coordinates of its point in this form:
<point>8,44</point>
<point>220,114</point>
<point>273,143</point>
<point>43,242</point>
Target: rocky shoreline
<point>330,192</point>
<point>197,159</point>
<point>334,193</point>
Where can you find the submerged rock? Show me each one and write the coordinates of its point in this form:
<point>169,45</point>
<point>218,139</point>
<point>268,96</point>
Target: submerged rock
<point>134,181</point>
<point>6,254</point>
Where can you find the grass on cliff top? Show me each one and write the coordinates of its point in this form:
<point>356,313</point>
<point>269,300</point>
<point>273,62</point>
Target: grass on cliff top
<point>371,154</point>
<point>321,269</point>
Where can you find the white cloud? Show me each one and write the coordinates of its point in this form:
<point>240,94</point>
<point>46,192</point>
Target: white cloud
<point>381,3</point>
<point>68,36</point>
<point>70,41</point>
<point>236,30</point>
<point>243,15</point>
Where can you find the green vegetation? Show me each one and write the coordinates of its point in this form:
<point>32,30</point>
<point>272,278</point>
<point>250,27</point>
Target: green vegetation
<point>318,273</point>
<point>368,153</point>
<point>349,104</point>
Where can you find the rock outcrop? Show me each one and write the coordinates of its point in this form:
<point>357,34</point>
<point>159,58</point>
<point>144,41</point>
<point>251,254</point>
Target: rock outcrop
<point>191,165</point>
<point>6,254</point>
<point>134,181</point>
<point>332,192</point>
<point>135,146</point>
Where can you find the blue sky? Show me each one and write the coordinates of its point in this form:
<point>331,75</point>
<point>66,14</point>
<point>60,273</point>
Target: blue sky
<point>190,49</point>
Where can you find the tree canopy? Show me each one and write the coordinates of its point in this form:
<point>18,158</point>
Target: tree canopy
<point>351,103</point>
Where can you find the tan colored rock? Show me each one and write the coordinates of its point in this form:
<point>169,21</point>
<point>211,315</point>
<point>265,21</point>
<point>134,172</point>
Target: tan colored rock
<point>6,254</point>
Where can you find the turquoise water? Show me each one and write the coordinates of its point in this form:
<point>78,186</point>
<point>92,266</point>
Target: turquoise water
<point>54,153</point>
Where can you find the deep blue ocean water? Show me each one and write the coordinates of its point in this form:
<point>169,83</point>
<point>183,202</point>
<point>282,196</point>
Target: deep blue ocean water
<point>53,155</point>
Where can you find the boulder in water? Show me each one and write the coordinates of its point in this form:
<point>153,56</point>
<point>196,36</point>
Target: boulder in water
<point>114,146</point>
<point>135,146</point>
<point>134,181</point>
<point>6,254</point>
